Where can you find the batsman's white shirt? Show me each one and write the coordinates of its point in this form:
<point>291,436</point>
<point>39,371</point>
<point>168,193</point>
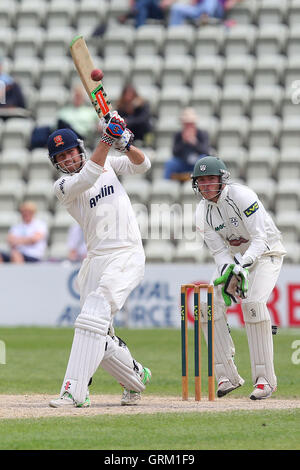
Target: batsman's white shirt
<point>99,203</point>
<point>237,223</point>
<point>96,199</point>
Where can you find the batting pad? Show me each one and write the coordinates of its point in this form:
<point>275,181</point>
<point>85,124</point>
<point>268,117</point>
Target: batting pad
<point>224,349</point>
<point>119,363</point>
<point>260,343</point>
<point>88,346</point>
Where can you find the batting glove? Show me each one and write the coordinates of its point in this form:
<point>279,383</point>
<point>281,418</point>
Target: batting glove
<point>125,141</point>
<point>114,129</point>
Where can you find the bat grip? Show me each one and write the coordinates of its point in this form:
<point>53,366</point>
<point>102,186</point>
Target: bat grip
<point>107,117</point>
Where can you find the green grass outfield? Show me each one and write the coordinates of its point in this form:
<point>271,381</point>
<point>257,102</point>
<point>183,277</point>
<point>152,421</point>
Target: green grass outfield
<point>36,359</point>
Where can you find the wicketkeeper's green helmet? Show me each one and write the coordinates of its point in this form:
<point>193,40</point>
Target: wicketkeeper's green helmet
<point>209,166</point>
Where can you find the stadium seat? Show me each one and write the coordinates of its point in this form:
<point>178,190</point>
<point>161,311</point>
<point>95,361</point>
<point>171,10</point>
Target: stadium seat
<point>138,189</point>
<point>269,70</point>
<point>11,194</point>
<point>117,41</point>
<point>172,100</point>
<point>271,40</point>
<point>292,71</point>
<point>208,41</point>
<point>13,163</point>
<point>233,132</point>
<point>165,191</point>
<point>266,101</point>
<point>26,70</point>
<point>292,41</point>
<point>290,135</point>
<point>176,71</point>
<point>288,223</point>
<point>7,38</point>
<point>61,14</point>
<point>239,40</point>
<point>264,132</point>
<point>39,166</point>
<point>90,14</point>
<point>16,133</point>
<point>149,40</point>
<point>235,101</point>
<point>146,70</point>
<point>262,163</point>
<point>159,251</point>
<point>49,100</point>
<point>41,192</point>
<point>207,71</point>
<point>28,42</point>
<point>56,42</point>
<point>287,196</point>
<point>238,70</point>
<point>205,100</point>
<point>293,252</point>
<point>293,13</point>
<point>271,12</point>
<point>7,14</point>
<point>289,164</point>
<point>244,12</point>
<point>31,14</point>
<point>55,72</point>
<point>117,70</point>
<point>179,41</point>
<point>117,8</point>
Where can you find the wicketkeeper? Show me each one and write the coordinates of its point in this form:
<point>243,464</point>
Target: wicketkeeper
<point>248,253</point>
<point>92,193</point>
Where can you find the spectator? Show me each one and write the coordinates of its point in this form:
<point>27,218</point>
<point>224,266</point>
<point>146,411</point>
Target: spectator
<point>79,116</point>
<point>142,10</point>
<point>136,112</point>
<point>190,144</point>
<point>76,243</point>
<point>12,102</point>
<point>28,239</point>
<point>200,11</point>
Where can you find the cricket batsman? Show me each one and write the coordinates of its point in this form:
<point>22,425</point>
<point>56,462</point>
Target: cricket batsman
<point>92,193</point>
<point>248,253</point>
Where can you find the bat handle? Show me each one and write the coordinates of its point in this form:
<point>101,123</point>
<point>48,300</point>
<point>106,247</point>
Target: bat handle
<point>107,117</point>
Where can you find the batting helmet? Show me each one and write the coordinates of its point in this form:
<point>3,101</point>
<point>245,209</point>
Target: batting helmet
<point>60,141</point>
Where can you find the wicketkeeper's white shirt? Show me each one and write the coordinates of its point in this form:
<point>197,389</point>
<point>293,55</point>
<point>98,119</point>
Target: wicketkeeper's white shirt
<point>99,203</point>
<point>237,223</point>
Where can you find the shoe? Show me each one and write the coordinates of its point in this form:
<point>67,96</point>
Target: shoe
<point>261,390</point>
<point>130,397</point>
<point>67,401</point>
<point>225,386</point>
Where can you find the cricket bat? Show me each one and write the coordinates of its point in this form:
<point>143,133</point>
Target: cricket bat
<point>84,65</point>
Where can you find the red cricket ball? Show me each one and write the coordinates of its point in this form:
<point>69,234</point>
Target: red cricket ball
<point>97,75</point>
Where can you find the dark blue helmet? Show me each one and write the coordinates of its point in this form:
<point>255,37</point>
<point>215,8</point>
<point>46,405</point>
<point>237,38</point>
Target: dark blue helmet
<point>62,140</point>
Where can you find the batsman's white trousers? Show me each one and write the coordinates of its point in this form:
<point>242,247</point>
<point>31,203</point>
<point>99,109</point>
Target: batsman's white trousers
<point>113,275</point>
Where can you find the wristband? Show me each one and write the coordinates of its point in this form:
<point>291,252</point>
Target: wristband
<point>107,140</point>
